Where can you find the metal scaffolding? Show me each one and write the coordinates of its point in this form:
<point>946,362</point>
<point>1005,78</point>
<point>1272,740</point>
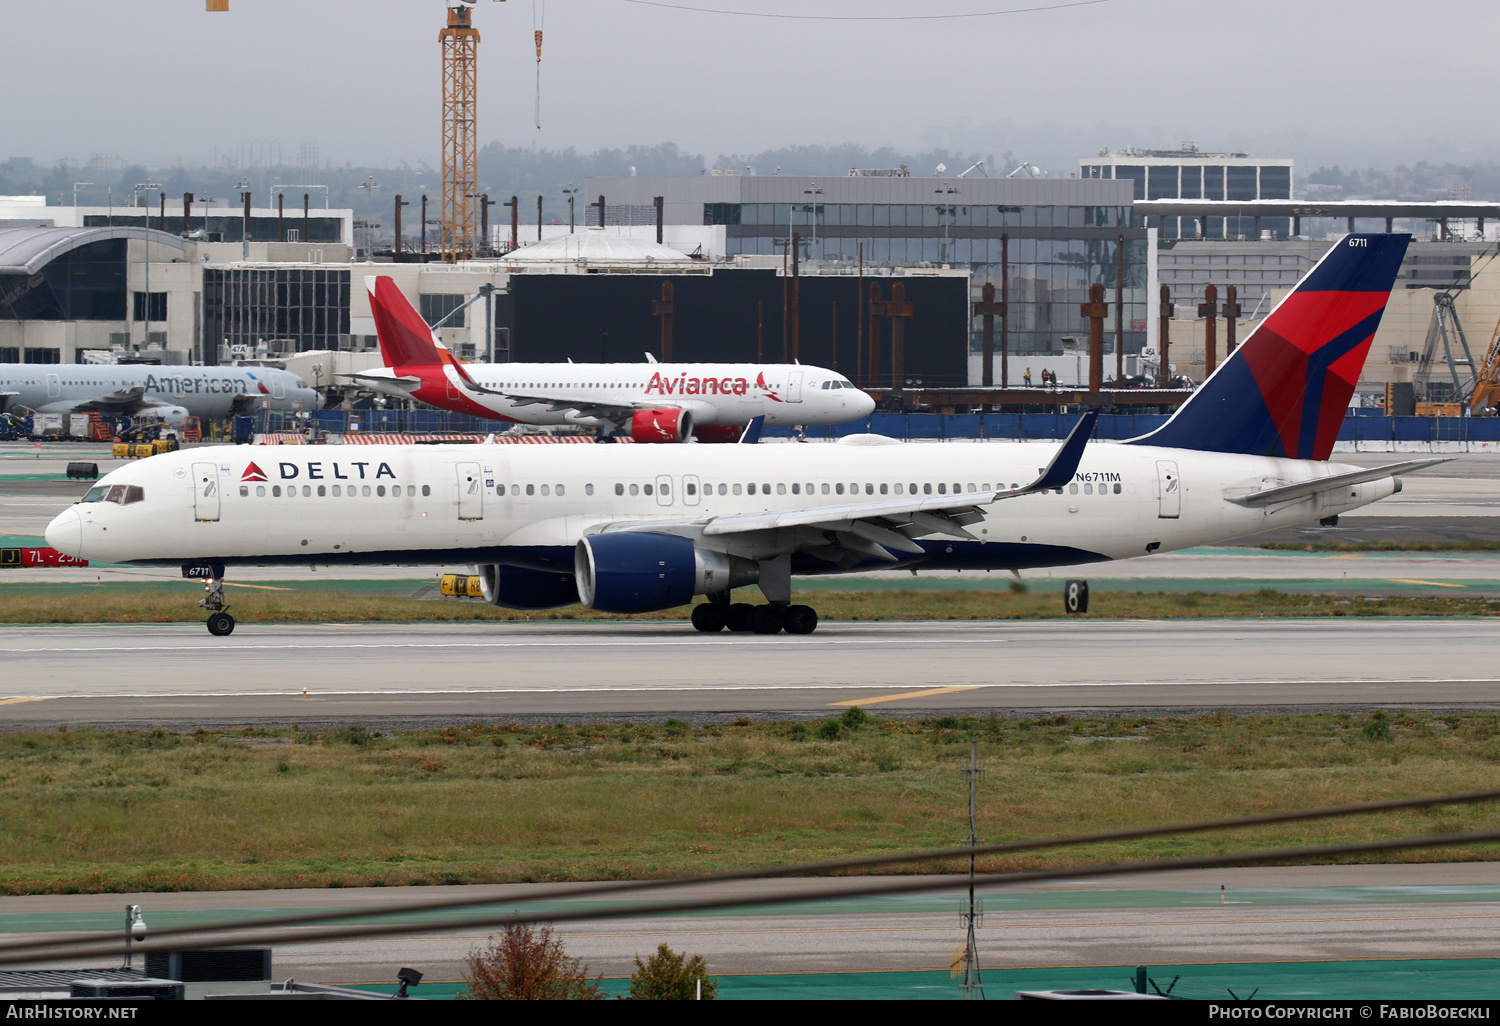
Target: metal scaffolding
<point>460,42</point>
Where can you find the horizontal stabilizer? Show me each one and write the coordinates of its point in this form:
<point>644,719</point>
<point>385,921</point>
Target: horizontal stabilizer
<point>1302,489</point>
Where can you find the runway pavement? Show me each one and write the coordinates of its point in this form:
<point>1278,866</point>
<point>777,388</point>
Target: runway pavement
<point>413,674</point>
<point>1268,915</point>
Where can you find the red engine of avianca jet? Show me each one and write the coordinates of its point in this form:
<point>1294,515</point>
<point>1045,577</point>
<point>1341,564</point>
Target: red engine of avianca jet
<point>661,426</point>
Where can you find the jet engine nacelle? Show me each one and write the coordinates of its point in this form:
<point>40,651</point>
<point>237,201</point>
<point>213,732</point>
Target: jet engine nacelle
<point>640,572</point>
<point>661,426</point>
<point>172,416</point>
<point>515,587</point>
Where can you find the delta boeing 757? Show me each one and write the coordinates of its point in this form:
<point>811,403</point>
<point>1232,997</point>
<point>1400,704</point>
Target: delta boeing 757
<point>634,529</point>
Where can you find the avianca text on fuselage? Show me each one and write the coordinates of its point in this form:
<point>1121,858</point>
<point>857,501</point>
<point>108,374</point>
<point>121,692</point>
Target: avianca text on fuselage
<point>684,384</point>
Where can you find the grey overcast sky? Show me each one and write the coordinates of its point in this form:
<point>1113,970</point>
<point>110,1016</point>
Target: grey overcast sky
<point>1359,81</point>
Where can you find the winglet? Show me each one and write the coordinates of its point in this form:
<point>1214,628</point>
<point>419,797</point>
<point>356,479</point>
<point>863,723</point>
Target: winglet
<point>751,434</point>
<point>1065,464</point>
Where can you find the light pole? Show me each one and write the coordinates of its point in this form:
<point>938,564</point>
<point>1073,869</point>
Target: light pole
<point>75,195</point>
<point>951,211</point>
<point>570,192</point>
<point>369,185</point>
<point>145,186</point>
<point>812,192</point>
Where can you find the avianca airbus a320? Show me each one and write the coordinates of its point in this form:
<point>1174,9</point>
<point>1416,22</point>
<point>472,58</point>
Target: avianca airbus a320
<point>644,528</point>
<point>645,402</point>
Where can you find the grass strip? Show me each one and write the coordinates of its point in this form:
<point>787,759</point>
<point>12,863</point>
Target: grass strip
<point>1384,546</point>
<point>172,603</point>
<point>86,811</point>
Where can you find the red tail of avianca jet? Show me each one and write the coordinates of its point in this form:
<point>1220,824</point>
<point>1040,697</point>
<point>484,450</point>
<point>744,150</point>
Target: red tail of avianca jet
<point>650,402</point>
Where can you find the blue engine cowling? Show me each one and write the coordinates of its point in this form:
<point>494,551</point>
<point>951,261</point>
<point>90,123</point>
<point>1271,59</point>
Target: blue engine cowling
<point>634,572</point>
<point>641,572</point>
<point>515,587</point>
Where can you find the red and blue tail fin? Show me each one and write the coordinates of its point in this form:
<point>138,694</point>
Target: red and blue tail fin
<point>1284,392</point>
<point>405,339</point>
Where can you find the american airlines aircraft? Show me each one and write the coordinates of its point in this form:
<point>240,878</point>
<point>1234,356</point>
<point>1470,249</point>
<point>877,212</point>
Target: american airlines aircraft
<point>649,402</point>
<point>645,528</point>
<point>171,393</point>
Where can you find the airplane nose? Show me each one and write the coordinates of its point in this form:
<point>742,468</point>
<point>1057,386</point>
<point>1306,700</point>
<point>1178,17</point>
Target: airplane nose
<point>65,533</point>
<point>865,404</point>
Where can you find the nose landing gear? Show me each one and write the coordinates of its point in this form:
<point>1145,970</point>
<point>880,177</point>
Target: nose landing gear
<point>220,623</point>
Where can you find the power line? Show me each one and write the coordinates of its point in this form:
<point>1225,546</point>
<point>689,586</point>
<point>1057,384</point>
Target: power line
<point>865,17</point>
<point>761,873</point>
<point>904,886</point>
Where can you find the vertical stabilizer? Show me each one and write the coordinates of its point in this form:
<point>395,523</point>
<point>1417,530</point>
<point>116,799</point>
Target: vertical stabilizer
<point>1284,392</point>
<point>405,339</point>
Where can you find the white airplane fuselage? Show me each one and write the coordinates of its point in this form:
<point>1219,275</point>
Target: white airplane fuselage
<point>716,394</point>
<point>134,389</point>
<point>530,505</point>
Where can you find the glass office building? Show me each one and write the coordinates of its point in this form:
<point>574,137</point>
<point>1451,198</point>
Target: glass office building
<point>1049,238</point>
<point>1189,173</point>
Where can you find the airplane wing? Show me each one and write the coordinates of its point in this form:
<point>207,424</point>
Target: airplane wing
<point>847,534</point>
<point>404,381</point>
<point>122,400</point>
<point>1302,489</point>
<point>584,407</point>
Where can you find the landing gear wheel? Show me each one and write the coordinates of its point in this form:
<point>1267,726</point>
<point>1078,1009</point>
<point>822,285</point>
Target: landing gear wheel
<point>739,617</point>
<point>221,625</point>
<point>767,619</point>
<point>801,619</point>
<point>710,617</point>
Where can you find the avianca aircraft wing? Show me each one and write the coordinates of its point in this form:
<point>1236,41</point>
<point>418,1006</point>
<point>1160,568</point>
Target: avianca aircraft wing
<point>872,529</point>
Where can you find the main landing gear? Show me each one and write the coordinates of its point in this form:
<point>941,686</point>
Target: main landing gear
<point>713,616</point>
<point>220,623</point>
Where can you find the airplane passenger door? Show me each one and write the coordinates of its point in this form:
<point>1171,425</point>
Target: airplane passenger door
<point>54,386</point>
<point>470,492</point>
<point>663,490</point>
<point>690,489</point>
<point>794,387</point>
<point>1168,490</point>
<point>278,387</point>
<point>206,492</point>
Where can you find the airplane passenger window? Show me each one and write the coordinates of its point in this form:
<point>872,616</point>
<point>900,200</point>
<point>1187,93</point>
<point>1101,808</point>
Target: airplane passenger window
<point>839,488</point>
<point>971,487</point>
<point>646,489</point>
<point>750,488</point>
<point>900,489</point>
<point>545,490</point>
<point>884,489</point>
<point>426,489</point>
<point>531,489</point>
<point>559,489</point>
<point>1088,489</point>
<point>635,489</point>
<point>765,489</point>
<point>736,489</point>
<point>244,491</point>
<point>721,489</point>
<point>796,488</point>
<point>942,488</point>
<point>811,488</point>
<point>692,489</point>
<point>365,490</point>
<point>514,489</point>
<point>322,491</point>
<point>338,490</point>
<point>500,490</point>
<point>926,488</point>
<point>1117,489</point>
<point>869,489</point>
<point>780,488</point>
<point>619,488</point>
<point>260,491</point>
<point>588,489</point>
<point>307,491</point>
<point>276,491</point>
<point>666,489</point>
<point>1073,488</point>
<point>380,490</point>
<point>825,487</point>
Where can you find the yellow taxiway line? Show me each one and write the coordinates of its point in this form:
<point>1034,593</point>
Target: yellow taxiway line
<point>910,694</point>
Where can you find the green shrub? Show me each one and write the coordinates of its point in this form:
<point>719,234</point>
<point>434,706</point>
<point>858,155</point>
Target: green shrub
<point>670,976</point>
<point>854,717</point>
<point>831,730</point>
<point>1378,728</point>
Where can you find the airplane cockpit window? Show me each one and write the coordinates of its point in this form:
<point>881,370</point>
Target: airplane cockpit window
<point>96,494</point>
